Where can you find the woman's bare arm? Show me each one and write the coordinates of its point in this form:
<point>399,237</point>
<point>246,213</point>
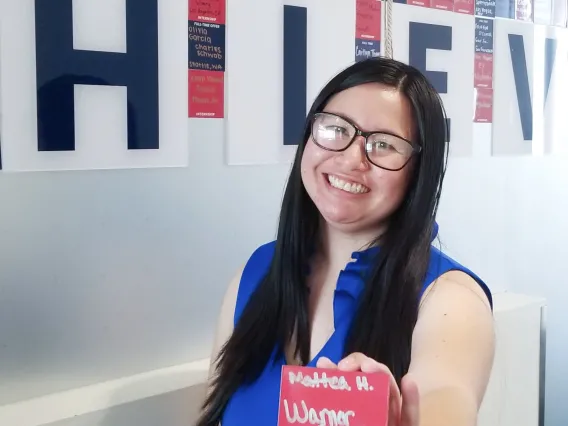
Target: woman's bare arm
<point>452,351</point>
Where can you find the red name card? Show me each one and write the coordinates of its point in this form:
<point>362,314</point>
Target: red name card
<point>324,397</point>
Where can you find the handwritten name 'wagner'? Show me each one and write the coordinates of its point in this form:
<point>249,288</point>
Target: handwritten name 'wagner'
<point>325,417</point>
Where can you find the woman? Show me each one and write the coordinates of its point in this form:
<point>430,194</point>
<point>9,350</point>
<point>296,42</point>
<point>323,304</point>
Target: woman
<point>352,281</point>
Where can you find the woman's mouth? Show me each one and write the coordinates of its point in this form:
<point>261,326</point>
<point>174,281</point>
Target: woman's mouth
<point>343,185</point>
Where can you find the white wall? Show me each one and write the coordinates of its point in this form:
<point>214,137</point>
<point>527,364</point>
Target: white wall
<point>105,274</point>
<point>506,219</point>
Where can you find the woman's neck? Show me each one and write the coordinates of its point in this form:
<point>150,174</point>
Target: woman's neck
<point>336,247</point>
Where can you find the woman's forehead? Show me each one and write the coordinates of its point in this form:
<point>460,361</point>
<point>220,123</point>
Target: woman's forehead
<point>374,107</point>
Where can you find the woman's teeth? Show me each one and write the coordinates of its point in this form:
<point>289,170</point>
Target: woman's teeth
<point>354,188</point>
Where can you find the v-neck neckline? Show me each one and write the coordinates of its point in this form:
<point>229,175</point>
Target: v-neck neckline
<point>350,283</point>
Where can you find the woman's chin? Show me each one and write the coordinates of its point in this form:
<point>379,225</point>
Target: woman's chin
<point>342,220</point>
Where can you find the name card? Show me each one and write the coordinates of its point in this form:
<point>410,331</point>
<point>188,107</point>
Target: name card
<point>324,397</point>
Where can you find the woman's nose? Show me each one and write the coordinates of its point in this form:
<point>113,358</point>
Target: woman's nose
<point>355,156</point>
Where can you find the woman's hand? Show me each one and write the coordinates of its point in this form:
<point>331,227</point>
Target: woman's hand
<point>403,409</point>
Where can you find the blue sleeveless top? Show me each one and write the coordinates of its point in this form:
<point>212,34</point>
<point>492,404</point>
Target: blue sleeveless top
<point>263,395</point>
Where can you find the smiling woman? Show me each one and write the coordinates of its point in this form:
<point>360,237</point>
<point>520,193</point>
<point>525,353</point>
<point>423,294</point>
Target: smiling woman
<point>348,282</point>
<point>359,165</point>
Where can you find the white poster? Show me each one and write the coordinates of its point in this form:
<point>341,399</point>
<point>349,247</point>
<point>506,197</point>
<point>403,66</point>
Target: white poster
<point>93,84</point>
<point>513,96</point>
<point>441,44</point>
<point>257,105</point>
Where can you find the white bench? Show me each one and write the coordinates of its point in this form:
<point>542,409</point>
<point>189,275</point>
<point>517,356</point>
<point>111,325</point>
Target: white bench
<point>171,397</point>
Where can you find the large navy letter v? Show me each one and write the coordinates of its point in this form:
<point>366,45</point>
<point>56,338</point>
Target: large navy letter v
<point>520,73</point>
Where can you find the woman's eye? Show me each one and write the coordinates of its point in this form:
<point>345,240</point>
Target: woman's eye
<point>338,131</point>
<point>382,145</point>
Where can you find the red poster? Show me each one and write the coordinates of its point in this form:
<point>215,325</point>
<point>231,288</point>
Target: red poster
<point>464,6</point>
<point>524,10</point>
<point>206,58</point>
<point>443,5</point>
<point>368,20</point>
<point>332,397</point>
<point>423,3</point>
<point>206,94</point>
<point>483,106</point>
<point>483,70</point>
<point>208,11</point>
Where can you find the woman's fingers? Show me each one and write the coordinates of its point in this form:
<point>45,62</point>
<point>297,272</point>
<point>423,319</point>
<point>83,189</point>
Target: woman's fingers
<point>324,362</point>
<point>404,409</point>
<point>410,412</point>
<point>360,362</point>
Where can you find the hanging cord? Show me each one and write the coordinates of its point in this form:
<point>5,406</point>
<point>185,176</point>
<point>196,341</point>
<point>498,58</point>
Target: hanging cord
<point>388,29</point>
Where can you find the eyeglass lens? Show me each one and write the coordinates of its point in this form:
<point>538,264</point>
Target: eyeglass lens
<point>384,150</point>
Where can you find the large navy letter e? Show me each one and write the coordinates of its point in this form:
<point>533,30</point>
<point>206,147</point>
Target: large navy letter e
<point>429,36</point>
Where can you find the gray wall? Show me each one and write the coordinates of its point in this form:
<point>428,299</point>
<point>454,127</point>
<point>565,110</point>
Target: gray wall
<point>104,274</point>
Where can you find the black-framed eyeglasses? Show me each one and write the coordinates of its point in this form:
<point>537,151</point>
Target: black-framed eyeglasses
<point>382,149</point>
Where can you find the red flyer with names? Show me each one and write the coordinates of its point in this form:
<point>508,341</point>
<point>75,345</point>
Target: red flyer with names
<point>423,3</point>
<point>332,397</point>
<point>483,70</point>
<point>483,106</point>
<point>206,94</point>
<point>208,11</point>
<point>206,59</point>
<point>367,29</point>
<point>524,10</point>
<point>483,59</point>
<point>464,6</point>
<point>368,19</point>
<point>443,5</point>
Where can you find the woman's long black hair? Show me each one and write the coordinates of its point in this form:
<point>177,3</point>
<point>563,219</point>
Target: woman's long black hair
<point>276,315</point>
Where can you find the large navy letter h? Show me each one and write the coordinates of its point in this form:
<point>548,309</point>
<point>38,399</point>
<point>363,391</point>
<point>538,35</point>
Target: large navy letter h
<point>59,68</point>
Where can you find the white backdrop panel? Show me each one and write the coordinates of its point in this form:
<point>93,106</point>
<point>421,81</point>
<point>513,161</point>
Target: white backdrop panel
<point>331,42</point>
<point>508,136</point>
<point>100,111</point>
<point>457,63</point>
<point>255,71</point>
<point>551,50</point>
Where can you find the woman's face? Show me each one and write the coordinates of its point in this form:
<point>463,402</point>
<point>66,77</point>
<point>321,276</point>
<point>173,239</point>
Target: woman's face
<point>354,208</point>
